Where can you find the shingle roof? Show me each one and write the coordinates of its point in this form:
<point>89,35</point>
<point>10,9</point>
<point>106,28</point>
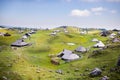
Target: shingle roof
<point>68,55</point>
<point>116,40</point>
<point>99,44</point>
<point>81,49</point>
<point>19,43</point>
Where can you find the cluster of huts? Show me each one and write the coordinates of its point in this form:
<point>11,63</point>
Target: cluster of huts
<point>65,30</point>
<point>83,32</point>
<point>21,42</point>
<point>106,33</point>
<point>68,55</point>
<point>28,34</point>
<point>112,36</point>
<point>4,34</point>
<point>54,32</point>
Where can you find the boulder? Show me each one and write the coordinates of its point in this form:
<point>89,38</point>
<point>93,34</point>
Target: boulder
<point>87,69</point>
<point>76,70</point>
<point>105,78</point>
<point>9,65</point>
<point>95,72</point>
<point>59,71</point>
<point>4,78</point>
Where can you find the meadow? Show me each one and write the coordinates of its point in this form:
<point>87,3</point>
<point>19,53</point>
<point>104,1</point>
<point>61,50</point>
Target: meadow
<point>33,62</point>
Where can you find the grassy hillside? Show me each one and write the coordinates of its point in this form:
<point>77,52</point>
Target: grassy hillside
<point>33,62</point>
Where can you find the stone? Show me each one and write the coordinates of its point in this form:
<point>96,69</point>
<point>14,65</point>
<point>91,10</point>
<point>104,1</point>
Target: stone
<point>105,78</point>
<point>87,69</point>
<point>59,71</point>
<point>4,78</point>
<point>76,70</point>
<point>95,72</point>
<point>112,70</point>
<point>9,65</point>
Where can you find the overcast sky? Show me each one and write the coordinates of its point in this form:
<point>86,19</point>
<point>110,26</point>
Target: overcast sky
<point>54,13</point>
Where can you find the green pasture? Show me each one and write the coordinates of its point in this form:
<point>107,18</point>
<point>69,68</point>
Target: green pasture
<point>33,62</point>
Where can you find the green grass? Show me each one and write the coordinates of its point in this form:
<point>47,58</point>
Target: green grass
<point>26,61</point>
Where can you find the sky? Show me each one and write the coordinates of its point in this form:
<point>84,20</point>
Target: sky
<point>54,13</point>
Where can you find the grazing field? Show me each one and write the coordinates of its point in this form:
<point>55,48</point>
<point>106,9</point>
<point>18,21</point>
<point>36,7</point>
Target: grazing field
<point>33,62</point>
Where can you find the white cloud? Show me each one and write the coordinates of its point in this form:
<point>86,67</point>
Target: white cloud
<point>80,13</point>
<point>98,9</point>
<point>113,11</point>
<point>93,11</point>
